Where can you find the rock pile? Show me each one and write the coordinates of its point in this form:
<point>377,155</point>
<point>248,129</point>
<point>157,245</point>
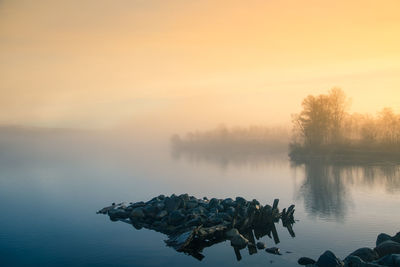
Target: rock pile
<point>193,224</point>
<point>386,253</point>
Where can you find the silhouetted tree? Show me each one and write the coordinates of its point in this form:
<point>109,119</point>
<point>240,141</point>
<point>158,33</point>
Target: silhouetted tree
<point>321,120</point>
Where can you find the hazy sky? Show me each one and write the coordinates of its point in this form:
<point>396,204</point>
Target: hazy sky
<point>192,64</point>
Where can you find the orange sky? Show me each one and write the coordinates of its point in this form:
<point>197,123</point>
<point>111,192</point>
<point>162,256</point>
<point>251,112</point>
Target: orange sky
<point>192,64</point>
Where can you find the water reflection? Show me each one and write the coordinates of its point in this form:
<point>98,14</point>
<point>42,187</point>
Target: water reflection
<point>230,156</point>
<point>326,188</point>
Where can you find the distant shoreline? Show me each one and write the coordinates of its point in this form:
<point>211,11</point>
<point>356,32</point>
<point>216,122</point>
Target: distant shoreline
<point>345,154</point>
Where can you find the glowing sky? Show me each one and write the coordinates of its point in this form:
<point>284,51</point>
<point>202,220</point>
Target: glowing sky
<point>192,63</point>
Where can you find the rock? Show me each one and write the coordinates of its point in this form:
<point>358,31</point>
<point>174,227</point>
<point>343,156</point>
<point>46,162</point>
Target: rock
<point>227,202</point>
<point>239,241</point>
<point>176,217</point>
<point>161,214</point>
<point>328,259</point>
<point>184,197</point>
<point>194,222</point>
<point>388,247</point>
<point>224,216</point>
<point>150,211</point>
<point>116,214</point>
<point>392,260</point>
<point>213,203</point>
<point>305,261</point>
<point>273,250</point>
<point>396,238</point>
<point>240,201</point>
<point>137,213</point>
<point>382,238</point>
<point>231,233</point>
<point>260,245</point>
<point>354,261</point>
<point>230,211</point>
<point>365,254</point>
<point>137,205</point>
<point>191,223</point>
<point>160,205</point>
<point>220,208</point>
<point>191,204</point>
<point>172,203</point>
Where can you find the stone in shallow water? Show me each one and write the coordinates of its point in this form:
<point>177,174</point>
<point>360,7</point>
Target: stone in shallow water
<point>306,261</point>
<point>260,245</point>
<point>329,259</point>
<point>388,247</point>
<point>118,214</point>
<point>239,241</point>
<point>273,250</point>
<point>382,238</point>
<point>392,260</point>
<point>366,254</point>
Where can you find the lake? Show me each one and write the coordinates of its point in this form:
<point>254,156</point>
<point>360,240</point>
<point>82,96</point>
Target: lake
<point>53,182</point>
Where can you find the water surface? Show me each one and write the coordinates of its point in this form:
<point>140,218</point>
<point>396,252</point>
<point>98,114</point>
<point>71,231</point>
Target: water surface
<point>53,182</point>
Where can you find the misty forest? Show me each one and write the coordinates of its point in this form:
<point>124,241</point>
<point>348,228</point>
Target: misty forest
<point>324,129</point>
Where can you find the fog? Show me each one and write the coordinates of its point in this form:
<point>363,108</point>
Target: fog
<point>184,66</point>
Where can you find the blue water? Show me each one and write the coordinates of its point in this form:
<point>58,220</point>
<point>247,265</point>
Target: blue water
<point>52,183</point>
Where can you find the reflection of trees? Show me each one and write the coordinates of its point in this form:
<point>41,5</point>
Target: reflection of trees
<point>227,157</point>
<point>238,146</point>
<point>325,189</point>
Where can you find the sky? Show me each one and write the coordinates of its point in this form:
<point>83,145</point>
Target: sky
<point>183,65</point>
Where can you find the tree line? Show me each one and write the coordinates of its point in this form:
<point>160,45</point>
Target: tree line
<point>324,122</point>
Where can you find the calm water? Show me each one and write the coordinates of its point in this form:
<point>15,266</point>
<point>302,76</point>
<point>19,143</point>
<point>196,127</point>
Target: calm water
<point>51,185</point>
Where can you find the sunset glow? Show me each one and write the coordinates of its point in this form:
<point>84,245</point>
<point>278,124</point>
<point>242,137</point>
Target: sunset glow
<point>192,63</point>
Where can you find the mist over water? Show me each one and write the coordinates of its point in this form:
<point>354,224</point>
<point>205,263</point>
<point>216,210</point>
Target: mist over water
<point>60,178</point>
